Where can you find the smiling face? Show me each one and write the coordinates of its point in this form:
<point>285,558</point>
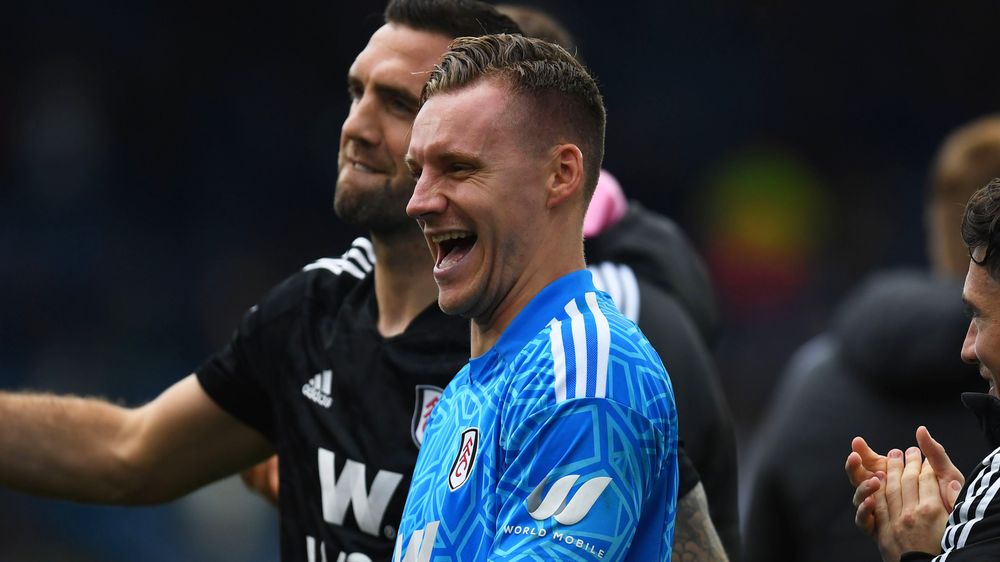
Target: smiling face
<point>982,342</point>
<point>481,200</point>
<point>373,184</point>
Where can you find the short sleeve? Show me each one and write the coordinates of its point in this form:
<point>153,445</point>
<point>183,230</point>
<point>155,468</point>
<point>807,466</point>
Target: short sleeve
<point>233,377</point>
<point>242,377</point>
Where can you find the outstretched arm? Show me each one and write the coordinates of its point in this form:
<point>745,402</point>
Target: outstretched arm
<point>87,449</point>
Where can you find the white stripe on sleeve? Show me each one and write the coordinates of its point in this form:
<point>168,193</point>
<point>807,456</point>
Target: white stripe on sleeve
<point>579,347</point>
<point>558,359</point>
<point>603,344</point>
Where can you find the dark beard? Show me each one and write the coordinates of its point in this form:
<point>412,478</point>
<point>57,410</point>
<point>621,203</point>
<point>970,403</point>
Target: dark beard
<point>379,211</point>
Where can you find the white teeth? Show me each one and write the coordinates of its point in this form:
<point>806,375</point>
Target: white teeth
<point>437,239</point>
<point>363,168</point>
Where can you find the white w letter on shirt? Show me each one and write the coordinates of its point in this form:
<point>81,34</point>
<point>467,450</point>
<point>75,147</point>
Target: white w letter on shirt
<point>338,494</point>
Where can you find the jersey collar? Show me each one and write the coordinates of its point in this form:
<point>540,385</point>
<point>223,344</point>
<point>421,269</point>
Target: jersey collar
<point>549,303</point>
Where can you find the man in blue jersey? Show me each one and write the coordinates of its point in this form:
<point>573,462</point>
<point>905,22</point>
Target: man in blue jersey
<point>559,439</point>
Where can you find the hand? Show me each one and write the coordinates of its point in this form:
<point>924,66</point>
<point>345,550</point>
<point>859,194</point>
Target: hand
<point>865,469</point>
<point>908,512</point>
<point>948,475</point>
<point>263,479</point>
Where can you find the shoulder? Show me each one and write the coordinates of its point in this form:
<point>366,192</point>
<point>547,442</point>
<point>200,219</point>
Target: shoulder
<point>323,283</point>
<point>590,350</point>
<point>357,262</point>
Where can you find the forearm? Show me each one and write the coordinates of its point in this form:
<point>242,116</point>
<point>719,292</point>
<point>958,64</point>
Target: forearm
<point>695,537</point>
<point>67,447</point>
<point>186,441</point>
<point>89,450</point>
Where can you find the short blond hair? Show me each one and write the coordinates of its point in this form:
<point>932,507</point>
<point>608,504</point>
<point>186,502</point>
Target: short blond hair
<point>561,94</point>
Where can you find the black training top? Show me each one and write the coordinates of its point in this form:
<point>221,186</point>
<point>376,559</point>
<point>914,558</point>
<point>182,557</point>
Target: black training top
<point>343,406</point>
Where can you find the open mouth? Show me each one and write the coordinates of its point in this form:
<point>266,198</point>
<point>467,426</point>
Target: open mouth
<point>452,247</point>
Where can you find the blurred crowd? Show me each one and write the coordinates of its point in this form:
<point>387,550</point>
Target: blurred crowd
<point>162,164</point>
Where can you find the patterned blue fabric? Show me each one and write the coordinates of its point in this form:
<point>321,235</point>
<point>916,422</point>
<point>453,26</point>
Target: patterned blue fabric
<point>560,443</point>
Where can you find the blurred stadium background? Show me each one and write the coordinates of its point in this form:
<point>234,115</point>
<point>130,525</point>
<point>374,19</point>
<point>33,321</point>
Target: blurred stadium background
<point>163,163</point>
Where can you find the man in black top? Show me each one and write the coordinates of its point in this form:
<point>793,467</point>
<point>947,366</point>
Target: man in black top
<point>335,369</point>
<point>887,364</point>
<point>346,436</point>
<point>667,286</point>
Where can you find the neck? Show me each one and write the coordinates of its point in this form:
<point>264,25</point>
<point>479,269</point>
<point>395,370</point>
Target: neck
<point>488,327</point>
<point>404,285</point>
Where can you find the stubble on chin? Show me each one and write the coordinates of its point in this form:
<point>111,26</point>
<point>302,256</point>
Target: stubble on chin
<point>376,209</point>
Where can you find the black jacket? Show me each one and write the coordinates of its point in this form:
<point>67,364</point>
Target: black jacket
<point>889,363</point>
<point>676,310</point>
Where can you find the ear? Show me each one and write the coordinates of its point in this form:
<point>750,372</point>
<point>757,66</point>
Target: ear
<point>566,174</point>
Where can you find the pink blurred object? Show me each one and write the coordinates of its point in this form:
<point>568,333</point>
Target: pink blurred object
<point>607,207</point>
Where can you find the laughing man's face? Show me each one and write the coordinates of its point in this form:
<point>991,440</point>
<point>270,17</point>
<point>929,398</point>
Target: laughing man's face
<point>480,198</point>
<point>982,342</point>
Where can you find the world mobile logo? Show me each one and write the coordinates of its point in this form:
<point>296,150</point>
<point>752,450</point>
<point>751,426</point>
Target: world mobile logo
<point>559,536</point>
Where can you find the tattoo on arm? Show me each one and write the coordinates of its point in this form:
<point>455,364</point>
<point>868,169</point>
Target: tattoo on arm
<point>695,538</point>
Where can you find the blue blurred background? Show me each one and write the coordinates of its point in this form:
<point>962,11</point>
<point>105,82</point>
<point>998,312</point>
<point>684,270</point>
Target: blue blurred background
<point>164,163</point>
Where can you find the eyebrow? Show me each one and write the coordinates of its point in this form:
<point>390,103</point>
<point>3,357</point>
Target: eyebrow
<point>447,157</point>
<point>385,90</point>
<point>394,91</point>
<point>453,155</point>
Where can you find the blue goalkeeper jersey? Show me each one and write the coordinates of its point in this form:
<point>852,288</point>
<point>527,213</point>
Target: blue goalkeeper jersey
<point>560,443</point>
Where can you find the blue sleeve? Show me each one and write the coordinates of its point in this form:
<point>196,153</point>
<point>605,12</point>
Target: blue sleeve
<point>578,477</point>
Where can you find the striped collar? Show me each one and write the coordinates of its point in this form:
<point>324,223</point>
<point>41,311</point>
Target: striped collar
<point>549,303</point>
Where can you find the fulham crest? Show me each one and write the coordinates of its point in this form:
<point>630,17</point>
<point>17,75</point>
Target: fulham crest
<point>427,397</point>
<point>464,462</point>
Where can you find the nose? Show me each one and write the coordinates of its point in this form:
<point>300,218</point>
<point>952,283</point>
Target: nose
<point>362,123</point>
<point>427,200</point>
<point>969,345</point>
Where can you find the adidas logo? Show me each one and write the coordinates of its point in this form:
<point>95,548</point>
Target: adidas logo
<point>317,388</point>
